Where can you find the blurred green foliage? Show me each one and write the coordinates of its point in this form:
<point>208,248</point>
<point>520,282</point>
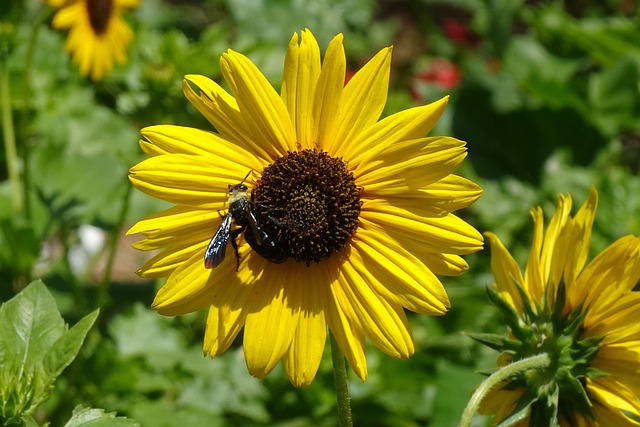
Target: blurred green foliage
<point>547,95</point>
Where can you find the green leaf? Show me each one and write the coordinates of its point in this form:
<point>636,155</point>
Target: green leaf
<point>35,347</point>
<point>65,349</point>
<point>30,324</point>
<point>91,417</point>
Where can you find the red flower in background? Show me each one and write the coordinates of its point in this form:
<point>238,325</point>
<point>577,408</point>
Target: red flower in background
<point>442,73</point>
<point>458,32</point>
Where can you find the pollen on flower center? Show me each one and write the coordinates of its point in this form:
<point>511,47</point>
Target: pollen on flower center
<point>99,12</point>
<point>309,202</point>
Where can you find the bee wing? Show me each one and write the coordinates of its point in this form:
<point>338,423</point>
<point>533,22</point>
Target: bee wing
<point>259,234</point>
<point>218,244</point>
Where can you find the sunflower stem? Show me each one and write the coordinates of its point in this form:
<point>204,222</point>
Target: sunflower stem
<point>535,362</point>
<point>8,133</point>
<point>342,387</point>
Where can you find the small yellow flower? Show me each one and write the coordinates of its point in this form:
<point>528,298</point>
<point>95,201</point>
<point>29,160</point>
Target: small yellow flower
<point>98,34</point>
<point>584,317</point>
<point>360,207</point>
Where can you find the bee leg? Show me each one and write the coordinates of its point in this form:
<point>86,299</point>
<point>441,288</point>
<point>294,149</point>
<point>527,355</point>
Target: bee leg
<point>234,234</point>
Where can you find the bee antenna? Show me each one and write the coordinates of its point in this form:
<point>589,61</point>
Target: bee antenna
<point>247,176</point>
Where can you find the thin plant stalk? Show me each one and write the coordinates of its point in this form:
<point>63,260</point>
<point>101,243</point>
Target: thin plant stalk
<point>345,419</point>
<point>8,132</point>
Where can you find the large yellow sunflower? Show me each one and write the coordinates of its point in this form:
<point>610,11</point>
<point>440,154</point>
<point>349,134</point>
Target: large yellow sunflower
<point>98,34</point>
<point>584,317</point>
<point>360,208</point>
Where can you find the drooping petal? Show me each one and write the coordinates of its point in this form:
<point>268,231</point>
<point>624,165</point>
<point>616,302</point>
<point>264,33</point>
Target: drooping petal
<point>305,353</point>
<point>276,300</point>
<point>614,321</point>
<point>227,313</point>
<point>350,338</point>
<point>382,322</point>
<point>396,274</point>
<point>188,288</point>
<point>615,396</point>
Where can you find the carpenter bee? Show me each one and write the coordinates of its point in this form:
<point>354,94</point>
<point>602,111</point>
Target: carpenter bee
<point>241,212</point>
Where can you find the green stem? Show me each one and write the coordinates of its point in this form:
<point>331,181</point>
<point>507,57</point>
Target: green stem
<point>9,135</point>
<point>26,105</point>
<point>535,362</point>
<point>115,239</point>
<point>342,387</point>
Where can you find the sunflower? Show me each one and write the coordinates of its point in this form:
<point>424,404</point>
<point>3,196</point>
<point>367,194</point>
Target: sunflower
<point>360,208</point>
<point>98,34</point>
<point>584,317</point>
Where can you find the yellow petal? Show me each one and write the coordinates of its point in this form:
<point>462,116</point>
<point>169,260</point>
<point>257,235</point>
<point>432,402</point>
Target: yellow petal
<point>305,353</point>
<point>405,125</point>
<point>187,180</point>
<point>542,264</point>
<point>328,94</point>
<point>616,270</point>
<point>613,394</point>
<point>506,272</point>
<point>169,139</point>
<point>272,317</point>
<point>170,259</point>
<point>615,318</point>
<point>410,165</point>
<point>450,193</point>
<point>301,73</point>
<point>438,231</point>
<point>188,288</point>
<point>362,101</point>
<point>227,315</point>
<point>265,116</point>
<point>173,221</point>
<point>382,322</point>
<point>396,274</point>
<point>222,111</point>
<point>350,339</point>
<point>582,237</point>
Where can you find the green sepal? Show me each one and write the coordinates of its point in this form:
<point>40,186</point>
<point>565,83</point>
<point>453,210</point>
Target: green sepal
<point>494,341</point>
<point>511,316</point>
<point>573,391</point>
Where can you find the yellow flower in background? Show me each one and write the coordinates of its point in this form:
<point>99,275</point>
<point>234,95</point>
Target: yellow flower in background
<point>98,34</point>
<point>359,207</point>
<point>584,316</point>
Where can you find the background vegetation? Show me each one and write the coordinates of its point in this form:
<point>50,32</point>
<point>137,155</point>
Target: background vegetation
<point>546,93</point>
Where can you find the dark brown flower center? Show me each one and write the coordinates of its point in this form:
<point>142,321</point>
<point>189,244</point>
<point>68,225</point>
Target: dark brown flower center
<point>309,203</point>
<point>99,12</point>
